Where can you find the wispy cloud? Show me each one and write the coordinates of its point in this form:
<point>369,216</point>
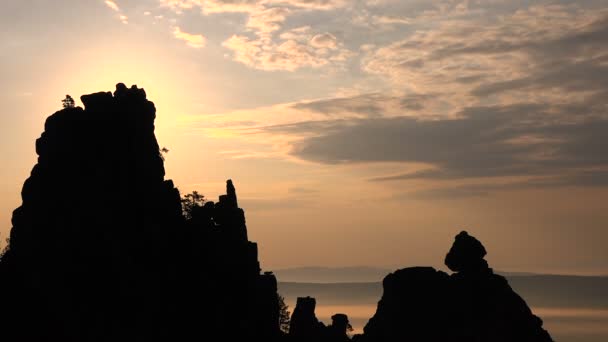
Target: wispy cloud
<point>111,4</point>
<point>265,21</point>
<point>121,16</point>
<point>292,50</point>
<point>288,55</point>
<point>196,41</point>
<point>211,6</point>
<point>260,47</point>
<point>215,6</point>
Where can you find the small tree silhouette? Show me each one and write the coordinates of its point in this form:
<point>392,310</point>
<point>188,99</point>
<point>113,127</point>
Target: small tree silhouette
<point>191,201</point>
<point>284,315</point>
<point>162,152</point>
<point>68,102</point>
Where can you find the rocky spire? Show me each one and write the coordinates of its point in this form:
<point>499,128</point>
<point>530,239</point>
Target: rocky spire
<point>231,194</point>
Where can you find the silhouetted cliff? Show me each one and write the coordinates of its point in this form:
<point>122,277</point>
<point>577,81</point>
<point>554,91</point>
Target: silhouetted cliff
<point>221,275</point>
<point>100,250</point>
<point>474,304</point>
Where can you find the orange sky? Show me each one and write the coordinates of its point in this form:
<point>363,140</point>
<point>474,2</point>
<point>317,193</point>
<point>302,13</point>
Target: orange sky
<point>356,132</point>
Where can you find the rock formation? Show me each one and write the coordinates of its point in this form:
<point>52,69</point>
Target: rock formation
<point>100,250</point>
<point>474,304</point>
<point>466,255</point>
<point>305,327</point>
<point>337,331</point>
<point>236,297</point>
<point>304,323</point>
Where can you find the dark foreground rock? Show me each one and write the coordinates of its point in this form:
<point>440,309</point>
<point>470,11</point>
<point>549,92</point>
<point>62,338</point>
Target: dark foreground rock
<point>472,305</point>
<point>100,250</point>
<point>305,327</point>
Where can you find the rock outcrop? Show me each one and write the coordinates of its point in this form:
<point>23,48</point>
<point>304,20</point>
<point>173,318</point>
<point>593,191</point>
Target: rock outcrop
<point>466,255</point>
<point>304,325</point>
<point>338,330</point>
<point>100,250</point>
<point>474,304</point>
<point>227,282</point>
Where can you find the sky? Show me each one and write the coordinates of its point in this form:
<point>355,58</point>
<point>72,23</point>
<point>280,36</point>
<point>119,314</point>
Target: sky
<point>357,133</point>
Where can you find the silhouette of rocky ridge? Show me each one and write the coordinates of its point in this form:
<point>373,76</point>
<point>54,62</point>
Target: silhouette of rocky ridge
<point>474,304</point>
<point>100,250</point>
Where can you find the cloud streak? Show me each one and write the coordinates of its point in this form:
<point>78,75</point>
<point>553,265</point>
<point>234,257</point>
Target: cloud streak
<point>121,16</point>
<point>196,41</point>
<point>112,5</point>
<point>260,47</point>
<point>294,51</point>
<point>219,6</point>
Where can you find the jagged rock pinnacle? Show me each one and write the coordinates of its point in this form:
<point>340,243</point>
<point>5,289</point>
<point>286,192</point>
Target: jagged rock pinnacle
<point>231,192</point>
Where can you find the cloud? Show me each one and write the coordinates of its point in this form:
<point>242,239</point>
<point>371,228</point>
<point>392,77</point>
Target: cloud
<point>312,4</point>
<point>390,20</point>
<point>220,6</point>
<point>211,6</point>
<point>122,17</point>
<point>523,98</point>
<point>112,5</point>
<point>293,50</point>
<point>258,47</point>
<point>371,105</point>
<point>538,145</point>
<point>561,141</point>
<point>196,41</point>
<point>494,141</point>
<point>594,178</point>
<point>514,51</point>
<point>267,20</point>
<point>324,41</point>
<point>289,55</point>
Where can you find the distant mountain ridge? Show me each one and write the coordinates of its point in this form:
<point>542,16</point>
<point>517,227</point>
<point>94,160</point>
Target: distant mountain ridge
<point>319,274</point>
<point>368,274</point>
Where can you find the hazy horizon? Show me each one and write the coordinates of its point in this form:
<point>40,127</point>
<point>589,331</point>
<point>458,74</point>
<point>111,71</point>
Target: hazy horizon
<point>573,309</point>
<point>364,132</point>
<point>389,269</point>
